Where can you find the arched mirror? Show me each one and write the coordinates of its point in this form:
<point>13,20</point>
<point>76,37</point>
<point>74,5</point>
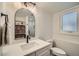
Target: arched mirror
<point>24,23</point>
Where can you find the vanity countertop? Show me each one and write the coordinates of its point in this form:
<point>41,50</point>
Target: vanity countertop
<point>16,50</point>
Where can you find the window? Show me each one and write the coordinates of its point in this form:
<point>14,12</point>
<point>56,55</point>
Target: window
<point>69,22</point>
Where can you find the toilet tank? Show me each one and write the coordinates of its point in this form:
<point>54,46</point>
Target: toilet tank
<point>50,41</point>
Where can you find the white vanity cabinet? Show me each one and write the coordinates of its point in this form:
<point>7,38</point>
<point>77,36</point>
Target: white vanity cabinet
<point>41,52</point>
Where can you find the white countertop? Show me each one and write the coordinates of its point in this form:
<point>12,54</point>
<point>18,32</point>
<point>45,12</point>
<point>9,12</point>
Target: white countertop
<point>16,50</point>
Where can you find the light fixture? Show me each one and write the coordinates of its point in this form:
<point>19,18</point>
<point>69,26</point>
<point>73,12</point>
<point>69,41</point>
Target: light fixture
<point>28,4</point>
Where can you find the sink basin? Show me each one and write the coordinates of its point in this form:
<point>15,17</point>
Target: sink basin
<point>29,45</point>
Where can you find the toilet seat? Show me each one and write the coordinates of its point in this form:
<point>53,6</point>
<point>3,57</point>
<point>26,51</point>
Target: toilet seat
<point>58,51</point>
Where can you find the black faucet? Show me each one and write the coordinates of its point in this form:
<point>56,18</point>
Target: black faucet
<point>28,37</point>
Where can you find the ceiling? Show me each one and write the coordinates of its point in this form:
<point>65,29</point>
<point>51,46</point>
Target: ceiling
<point>51,7</point>
<point>54,7</point>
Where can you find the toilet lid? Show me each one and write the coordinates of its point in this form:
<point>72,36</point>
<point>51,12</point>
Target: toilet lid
<point>58,50</point>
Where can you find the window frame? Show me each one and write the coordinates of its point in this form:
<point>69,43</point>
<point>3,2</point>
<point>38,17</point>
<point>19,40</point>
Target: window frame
<point>75,24</point>
<point>61,23</point>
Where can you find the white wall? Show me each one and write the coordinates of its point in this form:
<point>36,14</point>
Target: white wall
<point>43,21</point>
<point>44,25</point>
<point>66,41</point>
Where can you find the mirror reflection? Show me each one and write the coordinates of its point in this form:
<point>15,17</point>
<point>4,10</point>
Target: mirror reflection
<point>24,23</point>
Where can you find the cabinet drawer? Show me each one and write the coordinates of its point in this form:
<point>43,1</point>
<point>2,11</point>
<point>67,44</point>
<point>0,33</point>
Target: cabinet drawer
<point>43,51</point>
<point>32,54</point>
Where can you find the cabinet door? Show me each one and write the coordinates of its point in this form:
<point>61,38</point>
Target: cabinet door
<point>44,51</point>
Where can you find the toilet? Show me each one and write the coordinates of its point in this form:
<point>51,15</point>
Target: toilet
<point>56,51</point>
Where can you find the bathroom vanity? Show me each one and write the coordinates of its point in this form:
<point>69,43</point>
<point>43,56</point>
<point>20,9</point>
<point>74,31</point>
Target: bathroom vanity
<point>35,47</point>
<point>25,25</point>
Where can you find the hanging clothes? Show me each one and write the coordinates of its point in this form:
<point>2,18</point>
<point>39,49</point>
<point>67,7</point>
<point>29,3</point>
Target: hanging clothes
<point>4,28</point>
